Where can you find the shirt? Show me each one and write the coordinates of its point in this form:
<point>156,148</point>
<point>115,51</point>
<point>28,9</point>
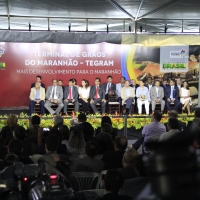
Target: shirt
<point>37,96</point>
<point>172,90</point>
<point>69,92</point>
<point>128,92</point>
<point>85,92</point>
<point>153,129</point>
<point>119,86</point>
<point>107,88</point>
<point>157,91</point>
<point>150,86</point>
<point>55,96</point>
<point>144,91</point>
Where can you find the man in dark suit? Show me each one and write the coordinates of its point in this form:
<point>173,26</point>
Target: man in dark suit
<point>172,96</point>
<point>70,96</point>
<point>88,163</point>
<point>113,159</point>
<point>109,87</point>
<point>38,79</point>
<point>97,95</point>
<point>149,84</point>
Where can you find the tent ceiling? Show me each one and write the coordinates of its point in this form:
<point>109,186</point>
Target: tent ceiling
<point>93,15</point>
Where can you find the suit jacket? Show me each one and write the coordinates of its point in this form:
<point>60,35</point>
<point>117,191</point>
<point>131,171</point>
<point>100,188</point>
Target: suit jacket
<point>113,159</point>
<point>93,92</point>
<point>33,93</point>
<point>146,85</point>
<point>153,93</point>
<point>169,134</point>
<point>175,92</point>
<point>33,85</point>
<point>59,92</point>
<point>74,92</point>
<point>112,88</point>
<point>123,94</point>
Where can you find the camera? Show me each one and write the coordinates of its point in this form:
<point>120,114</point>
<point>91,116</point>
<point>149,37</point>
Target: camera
<point>33,182</point>
<point>46,129</point>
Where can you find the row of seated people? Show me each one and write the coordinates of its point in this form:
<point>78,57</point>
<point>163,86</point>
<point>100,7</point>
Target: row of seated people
<point>129,94</point>
<point>125,167</point>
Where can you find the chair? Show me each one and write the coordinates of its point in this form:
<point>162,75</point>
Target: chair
<point>80,108</point>
<point>70,108</point>
<point>90,194</point>
<point>98,105</point>
<point>37,108</point>
<point>87,180</point>
<point>113,104</point>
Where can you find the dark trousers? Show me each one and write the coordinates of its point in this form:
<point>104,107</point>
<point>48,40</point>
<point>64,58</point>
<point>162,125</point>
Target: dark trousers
<point>129,102</point>
<point>84,105</point>
<point>94,108</point>
<point>32,105</point>
<point>119,99</point>
<point>176,105</point>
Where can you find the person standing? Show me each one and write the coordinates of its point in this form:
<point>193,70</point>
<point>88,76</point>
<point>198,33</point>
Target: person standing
<point>172,95</point>
<point>185,98</point>
<point>38,80</point>
<point>143,97</point>
<point>37,96</point>
<point>54,96</point>
<point>157,95</point>
<point>84,95</point>
<point>70,96</point>
<point>97,95</point>
<point>127,95</point>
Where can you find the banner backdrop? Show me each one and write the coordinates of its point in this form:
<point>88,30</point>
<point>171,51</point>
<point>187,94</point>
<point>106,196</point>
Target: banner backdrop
<point>21,62</point>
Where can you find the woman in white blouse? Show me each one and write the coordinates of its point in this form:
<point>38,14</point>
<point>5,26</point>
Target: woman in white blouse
<point>185,98</point>
<point>84,93</point>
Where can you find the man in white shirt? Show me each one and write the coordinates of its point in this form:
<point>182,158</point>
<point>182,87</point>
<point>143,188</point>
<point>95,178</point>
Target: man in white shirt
<point>178,83</point>
<point>149,84</point>
<point>54,96</point>
<point>119,86</point>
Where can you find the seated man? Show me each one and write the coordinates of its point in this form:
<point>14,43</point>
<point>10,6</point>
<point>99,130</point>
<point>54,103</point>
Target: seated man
<point>149,83</point>
<point>37,95</point>
<point>97,95</point>
<point>157,95</point>
<point>119,86</point>
<point>38,80</point>
<point>70,96</point>
<point>88,163</point>
<point>54,96</point>
<point>172,96</point>
<point>109,87</point>
<point>127,95</point>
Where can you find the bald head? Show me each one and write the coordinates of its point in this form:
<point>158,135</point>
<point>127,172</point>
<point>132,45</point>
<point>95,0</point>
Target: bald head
<point>130,157</point>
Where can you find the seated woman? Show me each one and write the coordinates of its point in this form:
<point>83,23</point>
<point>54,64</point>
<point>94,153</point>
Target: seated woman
<point>185,98</point>
<point>127,95</point>
<point>84,93</point>
<point>142,93</point>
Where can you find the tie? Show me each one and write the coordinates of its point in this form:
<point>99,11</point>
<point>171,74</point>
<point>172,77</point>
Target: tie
<point>97,91</point>
<point>108,87</point>
<point>157,92</point>
<point>53,93</point>
<point>70,93</point>
<point>172,90</point>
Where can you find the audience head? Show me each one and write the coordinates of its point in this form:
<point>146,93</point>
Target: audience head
<point>127,83</point>
<point>70,82</point>
<point>20,133</point>
<point>85,83</point>
<point>109,79</point>
<point>178,81</point>
<point>35,120</point>
<point>97,81</point>
<point>149,80</point>
<point>106,120</point>
<point>133,81</point>
<point>157,116</point>
<point>141,83</point>
<point>173,114</point>
<point>113,181</point>
<point>64,130</point>
<point>38,79</point>
<point>130,157</point>
<point>55,131</point>
<point>172,123</point>
<point>15,146</point>
<point>82,117</point>
<point>91,148</point>
<point>74,81</point>
<point>37,85</point>
<point>52,143</point>
<point>120,143</point>
<point>10,159</point>
<point>76,139</point>
<point>58,120</point>
<point>60,82</point>
<point>54,82</point>
<point>87,130</point>
<point>164,82</point>
<point>12,121</point>
<point>6,135</point>
<point>106,128</point>
<point>185,85</point>
<point>197,113</point>
<point>122,80</point>
<point>157,83</point>
<point>172,82</point>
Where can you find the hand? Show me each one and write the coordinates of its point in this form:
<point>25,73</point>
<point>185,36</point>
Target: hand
<point>37,101</point>
<point>73,100</point>
<point>173,101</point>
<point>65,100</point>
<point>91,101</point>
<point>85,100</point>
<point>168,100</point>
<point>157,101</point>
<point>51,100</point>
<point>103,100</point>
<point>56,101</point>
<point>110,93</point>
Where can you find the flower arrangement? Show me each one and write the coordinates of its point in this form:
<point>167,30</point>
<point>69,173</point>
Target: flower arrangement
<point>95,120</point>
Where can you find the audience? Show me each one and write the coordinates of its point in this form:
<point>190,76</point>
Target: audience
<point>129,164</point>
<point>78,126</point>
<point>10,159</point>
<point>88,162</point>
<point>15,146</point>
<point>12,121</point>
<point>88,131</point>
<point>113,158</point>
